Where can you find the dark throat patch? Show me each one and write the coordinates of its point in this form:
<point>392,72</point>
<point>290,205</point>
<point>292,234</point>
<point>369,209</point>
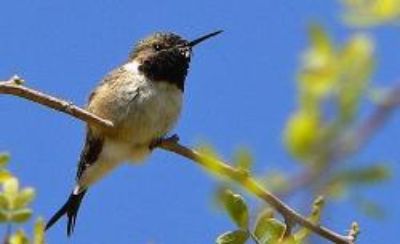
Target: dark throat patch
<point>167,66</point>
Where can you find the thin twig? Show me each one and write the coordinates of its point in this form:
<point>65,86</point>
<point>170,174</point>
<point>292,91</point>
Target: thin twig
<point>14,87</point>
<point>171,144</point>
<point>250,184</point>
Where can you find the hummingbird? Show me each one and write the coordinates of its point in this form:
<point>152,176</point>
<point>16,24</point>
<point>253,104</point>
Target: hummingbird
<point>143,99</point>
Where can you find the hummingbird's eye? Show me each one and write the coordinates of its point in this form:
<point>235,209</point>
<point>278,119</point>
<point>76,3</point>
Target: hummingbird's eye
<point>157,47</point>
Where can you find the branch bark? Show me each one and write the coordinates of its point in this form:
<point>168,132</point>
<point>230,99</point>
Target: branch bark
<point>14,87</point>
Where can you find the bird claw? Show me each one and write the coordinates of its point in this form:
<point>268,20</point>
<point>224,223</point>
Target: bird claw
<point>158,141</point>
<point>173,138</point>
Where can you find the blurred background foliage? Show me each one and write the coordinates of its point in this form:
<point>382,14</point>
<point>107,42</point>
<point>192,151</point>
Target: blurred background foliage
<point>324,132</point>
<point>14,208</point>
<point>333,80</point>
<point>368,13</point>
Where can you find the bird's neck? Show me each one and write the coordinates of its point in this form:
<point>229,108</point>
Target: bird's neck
<point>162,70</point>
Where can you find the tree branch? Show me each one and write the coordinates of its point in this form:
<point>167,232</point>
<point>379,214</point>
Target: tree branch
<point>14,87</point>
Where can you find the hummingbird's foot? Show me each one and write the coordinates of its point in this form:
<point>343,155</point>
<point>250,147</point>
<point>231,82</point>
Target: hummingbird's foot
<point>158,141</point>
<point>174,138</point>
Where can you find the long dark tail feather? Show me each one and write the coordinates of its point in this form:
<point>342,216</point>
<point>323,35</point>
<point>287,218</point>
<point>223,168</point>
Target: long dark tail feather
<point>70,208</point>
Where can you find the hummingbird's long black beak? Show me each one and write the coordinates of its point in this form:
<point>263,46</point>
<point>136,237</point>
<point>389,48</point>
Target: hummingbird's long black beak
<point>203,38</point>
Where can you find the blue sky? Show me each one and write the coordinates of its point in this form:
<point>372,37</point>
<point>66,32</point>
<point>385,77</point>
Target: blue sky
<point>240,91</point>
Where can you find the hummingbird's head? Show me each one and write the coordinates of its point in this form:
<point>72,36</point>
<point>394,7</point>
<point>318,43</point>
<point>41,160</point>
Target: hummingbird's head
<point>165,56</point>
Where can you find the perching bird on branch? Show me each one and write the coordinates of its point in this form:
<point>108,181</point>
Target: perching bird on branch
<point>143,98</point>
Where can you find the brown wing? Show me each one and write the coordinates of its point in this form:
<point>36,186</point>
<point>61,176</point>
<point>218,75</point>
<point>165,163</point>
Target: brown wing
<point>108,81</point>
<point>90,153</point>
<point>94,141</point>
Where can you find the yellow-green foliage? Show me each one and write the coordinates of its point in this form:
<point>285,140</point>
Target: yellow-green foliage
<point>328,75</point>
<point>267,229</point>
<point>14,206</point>
<point>332,80</point>
<point>371,12</point>
<point>20,237</point>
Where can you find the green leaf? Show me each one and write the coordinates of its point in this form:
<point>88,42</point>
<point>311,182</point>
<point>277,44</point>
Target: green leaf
<point>340,182</point>
<point>38,234</point>
<point>4,176</point>
<point>208,150</point>
<point>275,181</point>
<point>11,187</point>
<point>372,209</point>
<point>19,238</point>
<point>209,158</point>
<point>318,73</point>
<point>268,229</point>
<point>301,134</point>
<point>290,240</point>
<point>356,66</point>
<point>237,209</point>
<point>233,237</point>
<point>363,175</point>
<point>20,216</point>
<point>4,158</point>
<point>335,189</point>
<point>219,195</point>
<point>366,13</point>
<point>4,203</point>
<point>24,197</point>
<point>319,38</point>
<point>267,212</point>
<point>3,216</point>
<point>243,159</point>
<point>369,207</point>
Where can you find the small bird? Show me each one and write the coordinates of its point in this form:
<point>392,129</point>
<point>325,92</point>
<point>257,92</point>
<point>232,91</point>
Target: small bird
<point>143,98</point>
